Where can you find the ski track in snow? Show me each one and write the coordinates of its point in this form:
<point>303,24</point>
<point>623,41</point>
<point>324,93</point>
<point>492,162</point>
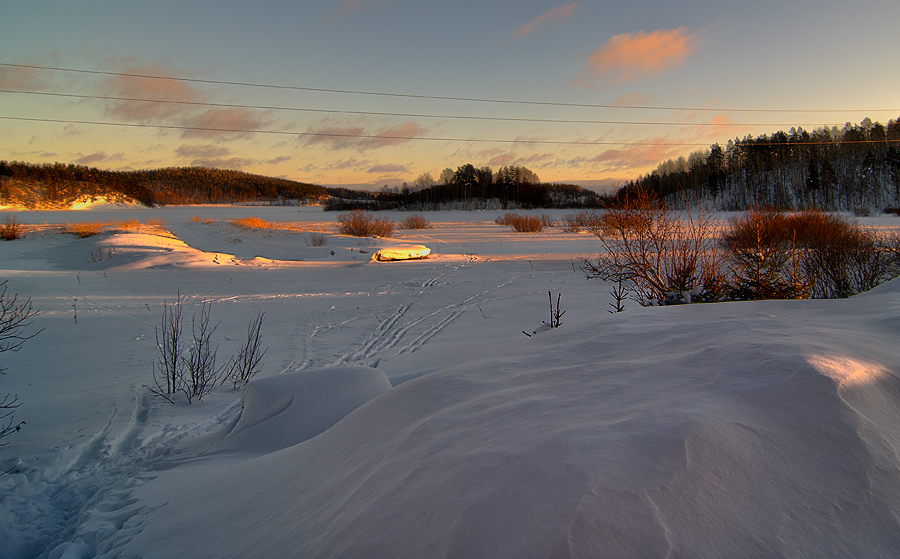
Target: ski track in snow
<point>402,333</point>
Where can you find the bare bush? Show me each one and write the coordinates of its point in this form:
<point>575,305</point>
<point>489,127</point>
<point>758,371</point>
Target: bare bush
<point>359,223</point>
<point>244,366</point>
<point>15,318</point>
<point>192,370</point>
<point>200,364</point>
<point>547,220</point>
<point>805,254</point>
<point>506,219</point>
<point>575,222</point>
<point>521,223</point>
<point>316,239</point>
<point>167,374</point>
<point>416,221</point>
<point>658,256</point>
<point>763,251</point>
<point>528,224</point>
<point>12,229</point>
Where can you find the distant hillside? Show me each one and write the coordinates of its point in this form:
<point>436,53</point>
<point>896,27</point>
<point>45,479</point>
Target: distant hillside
<point>57,185</point>
<point>855,168</point>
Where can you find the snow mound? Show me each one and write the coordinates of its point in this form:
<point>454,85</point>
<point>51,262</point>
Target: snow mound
<point>284,410</point>
<point>684,433</point>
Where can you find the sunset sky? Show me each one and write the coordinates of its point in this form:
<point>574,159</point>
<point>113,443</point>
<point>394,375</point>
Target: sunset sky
<point>375,92</point>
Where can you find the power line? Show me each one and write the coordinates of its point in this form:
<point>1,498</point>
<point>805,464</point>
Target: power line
<point>431,97</point>
<point>404,115</point>
<point>384,137</point>
<point>411,138</point>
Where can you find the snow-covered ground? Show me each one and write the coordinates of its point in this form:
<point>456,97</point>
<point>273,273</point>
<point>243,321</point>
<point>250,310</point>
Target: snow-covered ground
<point>401,412</point>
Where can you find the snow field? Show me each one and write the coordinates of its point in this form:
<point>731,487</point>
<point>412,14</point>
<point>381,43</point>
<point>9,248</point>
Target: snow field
<point>402,413</point>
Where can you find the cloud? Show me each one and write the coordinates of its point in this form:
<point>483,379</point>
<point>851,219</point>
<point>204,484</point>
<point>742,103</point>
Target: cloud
<point>632,100</point>
<point>278,160</point>
<point>204,151</point>
<point>388,168</point>
<point>99,157</point>
<point>630,56</point>
<point>236,163</point>
<point>557,13</point>
<point>234,122</point>
<point>338,136</point>
<point>171,102</point>
<point>23,79</point>
<point>502,159</point>
<point>153,89</point>
<point>351,7</point>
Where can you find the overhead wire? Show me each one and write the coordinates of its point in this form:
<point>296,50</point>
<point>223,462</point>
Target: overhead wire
<point>403,115</point>
<point>390,137</point>
<point>386,137</point>
<point>433,97</point>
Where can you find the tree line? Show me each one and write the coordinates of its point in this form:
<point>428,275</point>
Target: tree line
<point>854,168</point>
<point>49,185</point>
<point>470,187</point>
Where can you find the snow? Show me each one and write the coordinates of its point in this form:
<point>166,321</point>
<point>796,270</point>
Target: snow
<point>401,412</point>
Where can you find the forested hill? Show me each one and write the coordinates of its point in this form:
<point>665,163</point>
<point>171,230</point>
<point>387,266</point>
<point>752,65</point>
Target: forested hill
<point>856,168</point>
<point>57,185</point>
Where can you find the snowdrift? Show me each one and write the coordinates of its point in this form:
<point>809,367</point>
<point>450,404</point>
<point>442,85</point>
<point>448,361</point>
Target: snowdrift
<point>281,411</point>
<point>707,431</point>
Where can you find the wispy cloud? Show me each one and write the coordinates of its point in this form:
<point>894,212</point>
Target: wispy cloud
<point>169,102</point>
<point>630,56</point>
<point>20,78</point>
<point>152,89</point>
<point>632,100</point>
<point>351,7</point>
<point>99,157</point>
<point>390,168</point>
<point>337,136</point>
<point>216,122</point>
<point>205,151</point>
<point>557,13</point>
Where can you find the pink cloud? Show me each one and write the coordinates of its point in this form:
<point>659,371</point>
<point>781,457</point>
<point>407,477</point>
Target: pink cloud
<point>558,13</point>
<point>502,159</point>
<point>629,56</point>
<point>632,100</point>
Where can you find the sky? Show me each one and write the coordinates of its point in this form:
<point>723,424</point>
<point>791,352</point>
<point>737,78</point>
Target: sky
<point>366,93</point>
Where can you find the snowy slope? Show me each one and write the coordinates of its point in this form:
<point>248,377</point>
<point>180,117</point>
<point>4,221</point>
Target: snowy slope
<point>761,431</point>
<point>402,413</point>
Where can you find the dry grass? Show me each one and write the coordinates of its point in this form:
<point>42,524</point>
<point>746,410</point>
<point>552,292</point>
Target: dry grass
<point>12,229</point>
<point>128,225</point>
<point>249,223</point>
<point>84,229</point>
